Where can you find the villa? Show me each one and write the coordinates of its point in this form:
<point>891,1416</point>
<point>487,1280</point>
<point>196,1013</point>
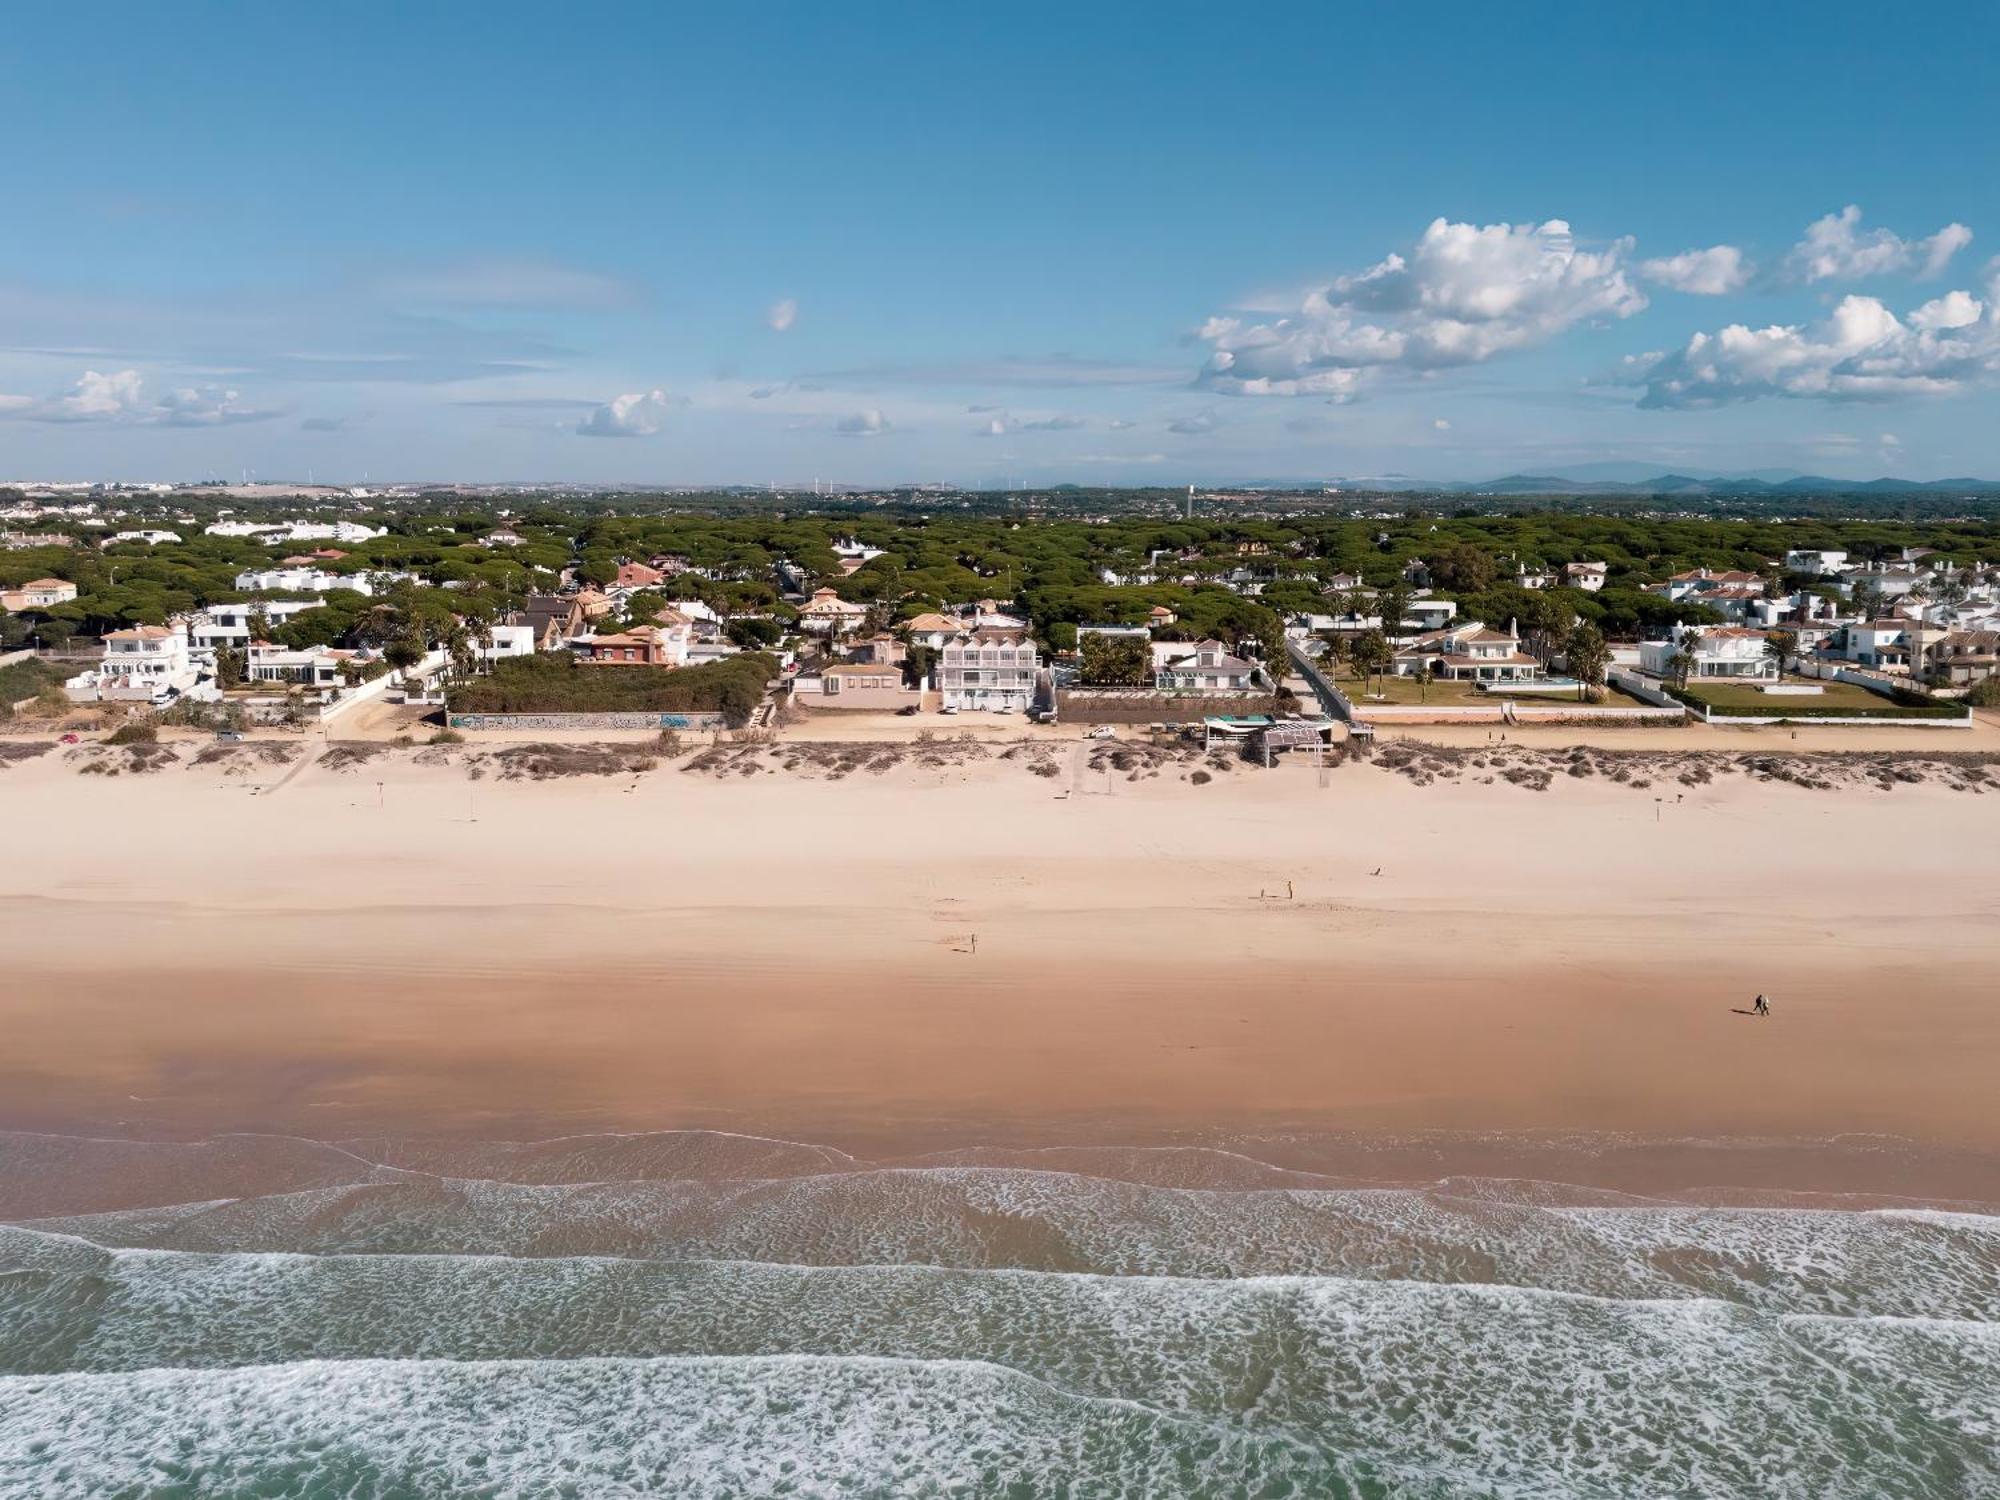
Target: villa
<point>1471,652</point>
<point>38,593</point>
<point>145,664</point>
<point>1201,667</point>
<point>641,646</point>
<point>1588,576</point>
<point>826,613</point>
<point>1727,651</point>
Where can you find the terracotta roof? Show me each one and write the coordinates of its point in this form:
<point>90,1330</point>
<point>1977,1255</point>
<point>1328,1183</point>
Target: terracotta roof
<point>140,633</point>
<point>48,583</point>
<point>931,621</point>
<point>1732,633</point>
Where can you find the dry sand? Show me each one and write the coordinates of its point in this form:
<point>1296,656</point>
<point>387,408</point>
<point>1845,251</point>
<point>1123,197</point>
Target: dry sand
<point>396,947</point>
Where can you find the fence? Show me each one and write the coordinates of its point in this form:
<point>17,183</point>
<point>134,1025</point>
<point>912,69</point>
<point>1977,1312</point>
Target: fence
<point>1146,706</point>
<point>565,722</point>
<point>1331,698</point>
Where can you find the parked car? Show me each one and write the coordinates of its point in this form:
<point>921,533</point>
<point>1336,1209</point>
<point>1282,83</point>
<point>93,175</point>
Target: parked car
<point>1101,732</point>
<point>229,736</point>
<point>70,739</point>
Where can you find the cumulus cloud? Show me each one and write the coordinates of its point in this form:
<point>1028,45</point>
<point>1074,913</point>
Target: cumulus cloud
<point>1464,293</point>
<point>870,423</point>
<point>1837,248</point>
<point>1861,352</point>
<point>1200,422</point>
<point>120,398</point>
<point>1440,424</point>
<point>1713,272</point>
<point>782,314</point>
<point>639,414</point>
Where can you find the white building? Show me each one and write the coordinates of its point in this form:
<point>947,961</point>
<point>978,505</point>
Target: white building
<point>145,664</point>
<point>227,626</point>
<point>1588,576</point>
<point>1810,560</point>
<point>496,641</point>
<point>1201,667</point>
<point>300,581</point>
<point>1726,651</point>
<point>1471,652</point>
<point>150,538</point>
<point>826,613</point>
<point>987,669</point>
<point>317,667</point>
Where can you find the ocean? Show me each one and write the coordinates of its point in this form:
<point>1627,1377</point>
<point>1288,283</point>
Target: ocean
<point>695,1314</point>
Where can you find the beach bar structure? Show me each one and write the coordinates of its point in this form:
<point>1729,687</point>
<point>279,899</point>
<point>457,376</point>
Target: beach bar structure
<point>1268,735</point>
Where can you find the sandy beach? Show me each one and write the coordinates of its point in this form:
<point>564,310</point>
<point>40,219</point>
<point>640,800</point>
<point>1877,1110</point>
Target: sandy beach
<point>396,946</point>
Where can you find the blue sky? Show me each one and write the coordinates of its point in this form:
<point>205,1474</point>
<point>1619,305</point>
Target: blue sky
<point>881,243</point>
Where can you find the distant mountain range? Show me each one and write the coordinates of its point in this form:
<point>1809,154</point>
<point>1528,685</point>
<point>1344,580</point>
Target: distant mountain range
<point>1623,479</point>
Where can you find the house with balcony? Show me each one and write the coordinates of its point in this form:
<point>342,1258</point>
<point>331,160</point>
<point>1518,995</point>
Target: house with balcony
<point>1201,667</point>
<point>1470,652</point>
<point>641,646</point>
<point>1730,653</point>
<point>987,669</point>
<point>144,664</point>
<point>827,614</point>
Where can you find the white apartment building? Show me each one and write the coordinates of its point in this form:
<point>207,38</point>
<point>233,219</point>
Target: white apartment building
<point>987,669</point>
<point>300,581</point>
<point>223,626</point>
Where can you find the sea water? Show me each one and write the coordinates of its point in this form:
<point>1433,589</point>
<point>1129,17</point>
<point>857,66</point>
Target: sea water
<point>691,1314</point>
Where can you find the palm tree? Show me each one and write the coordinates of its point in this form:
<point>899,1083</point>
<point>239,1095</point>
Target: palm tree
<point>1778,645</point>
<point>1679,665</point>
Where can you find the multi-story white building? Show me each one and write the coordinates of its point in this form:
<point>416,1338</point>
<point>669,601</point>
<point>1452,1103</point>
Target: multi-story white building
<point>987,669</point>
<point>227,626</point>
<point>1725,651</point>
<point>151,538</point>
<point>300,581</point>
<point>145,664</point>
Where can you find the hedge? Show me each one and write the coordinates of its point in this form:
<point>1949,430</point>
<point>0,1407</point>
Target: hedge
<point>557,683</point>
<point>1780,709</point>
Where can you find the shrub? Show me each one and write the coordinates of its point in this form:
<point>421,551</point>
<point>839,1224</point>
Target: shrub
<point>136,733</point>
<point>1985,693</point>
<point>558,683</point>
<point>447,737</point>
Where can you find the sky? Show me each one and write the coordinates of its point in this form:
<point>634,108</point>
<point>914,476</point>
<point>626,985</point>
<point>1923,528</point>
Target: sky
<point>1021,244</point>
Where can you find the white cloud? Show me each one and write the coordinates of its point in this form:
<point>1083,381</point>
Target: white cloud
<point>1441,424</point>
<point>1005,423</point>
<point>869,423</point>
<point>1952,310</point>
<point>1836,248</point>
<point>639,414</point>
<point>120,398</point>
<point>1703,273</point>
<point>1119,424</point>
<point>1861,352</point>
<point>1200,422</point>
<point>1464,294</point>
<point>782,314</point>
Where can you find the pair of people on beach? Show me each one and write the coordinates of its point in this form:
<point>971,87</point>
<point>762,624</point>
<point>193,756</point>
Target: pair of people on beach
<point>1761,1007</point>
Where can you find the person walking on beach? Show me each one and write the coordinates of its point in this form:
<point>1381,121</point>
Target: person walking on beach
<point>1762,1007</point>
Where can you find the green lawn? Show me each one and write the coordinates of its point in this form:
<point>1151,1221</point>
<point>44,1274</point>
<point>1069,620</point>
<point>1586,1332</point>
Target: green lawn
<point>1843,695</point>
<point>1402,690</point>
